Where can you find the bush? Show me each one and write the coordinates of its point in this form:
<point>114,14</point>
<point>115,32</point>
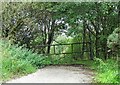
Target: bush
<point>12,67</point>
<point>107,71</point>
<point>113,40</point>
<point>19,52</point>
<point>17,60</point>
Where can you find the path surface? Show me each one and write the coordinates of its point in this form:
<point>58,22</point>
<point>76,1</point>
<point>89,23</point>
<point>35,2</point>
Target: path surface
<point>57,74</point>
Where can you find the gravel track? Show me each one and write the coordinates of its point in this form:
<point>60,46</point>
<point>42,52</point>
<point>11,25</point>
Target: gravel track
<point>57,74</point>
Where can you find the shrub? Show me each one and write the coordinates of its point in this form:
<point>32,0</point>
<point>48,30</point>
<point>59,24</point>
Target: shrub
<point>113,40</point>
<point>17,60</point>
<point>22,53</point>
<point>12,67</point>
<point>107,71</point>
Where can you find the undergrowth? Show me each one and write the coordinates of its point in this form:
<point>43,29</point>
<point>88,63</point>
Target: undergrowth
<point>16,61</point>
<point>107,71</point>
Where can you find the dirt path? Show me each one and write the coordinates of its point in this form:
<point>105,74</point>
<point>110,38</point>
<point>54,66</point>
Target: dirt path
<point>57,74</point>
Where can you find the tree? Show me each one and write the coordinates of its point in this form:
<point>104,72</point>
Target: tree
<point>35,24</point>
<point>30,24</point>
<point>101,20</point>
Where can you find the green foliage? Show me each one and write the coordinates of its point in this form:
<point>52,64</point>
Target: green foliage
<point>22,53</point>
<point>61,60</point>
<point>76,47</point>
<point>11,65</point>
<point>19,61</point>
<point>33,24</point>
<point>113,39</point>
<point>67,48</point>
<point>62,39</point>
<point>107,71</point>
<point>30,23</point>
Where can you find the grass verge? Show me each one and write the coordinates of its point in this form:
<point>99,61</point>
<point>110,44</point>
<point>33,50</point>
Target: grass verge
<point>16,61</point>
<point>106,71</point>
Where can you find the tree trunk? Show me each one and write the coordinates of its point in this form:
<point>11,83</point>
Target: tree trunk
<point>90,46</point>
<point>50,37</point>
<point>97,28</point>
<point>83,43</point>
<point>97,44</point>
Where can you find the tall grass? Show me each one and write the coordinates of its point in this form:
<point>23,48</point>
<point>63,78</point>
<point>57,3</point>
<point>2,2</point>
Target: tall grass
<point>107,71</point>
<point>17,61</point>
